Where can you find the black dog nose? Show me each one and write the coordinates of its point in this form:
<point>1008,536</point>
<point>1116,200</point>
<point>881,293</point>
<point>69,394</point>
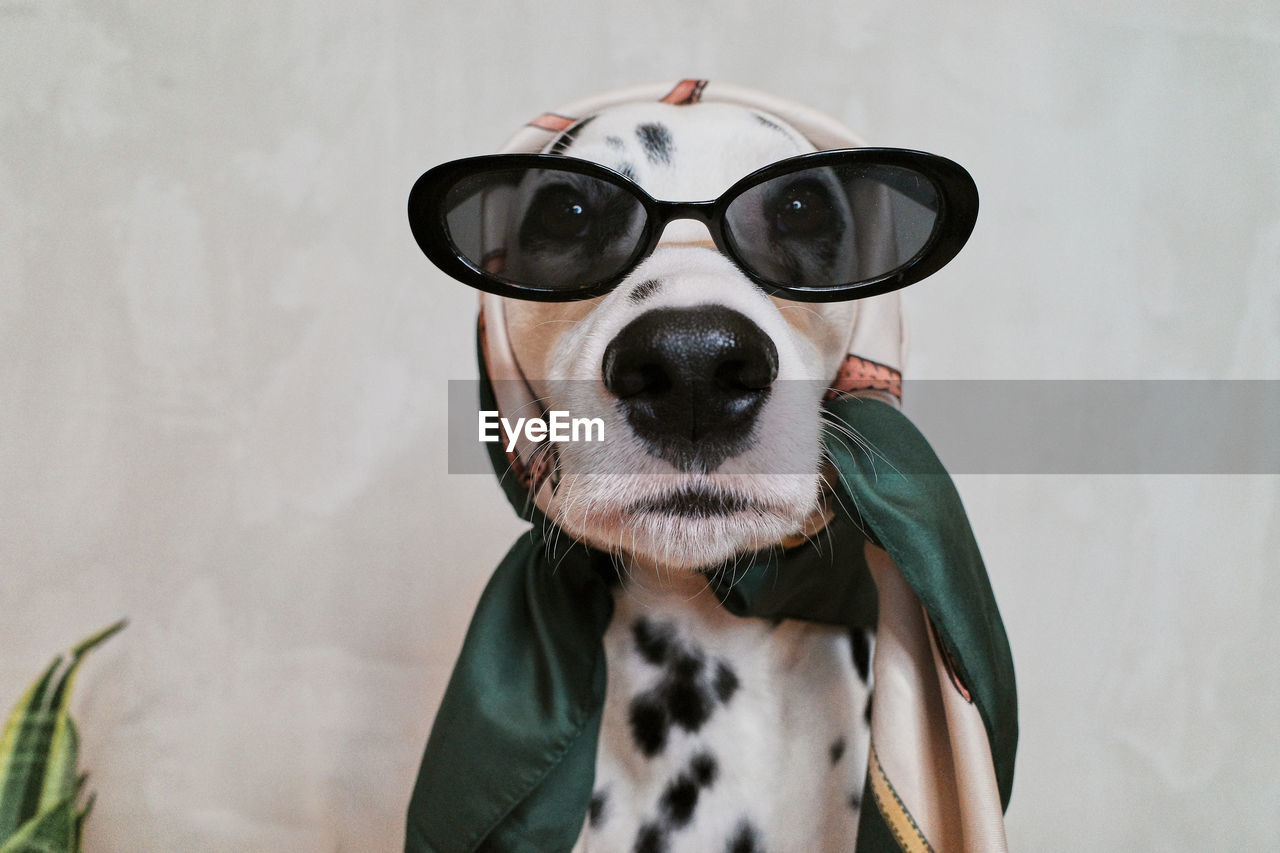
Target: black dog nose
<point>690,381</point>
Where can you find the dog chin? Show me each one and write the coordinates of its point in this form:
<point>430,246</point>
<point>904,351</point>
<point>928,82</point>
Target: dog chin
<point>688,525</point>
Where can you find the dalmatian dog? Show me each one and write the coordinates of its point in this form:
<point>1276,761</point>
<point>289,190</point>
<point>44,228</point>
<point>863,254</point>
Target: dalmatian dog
<point>719,733</point>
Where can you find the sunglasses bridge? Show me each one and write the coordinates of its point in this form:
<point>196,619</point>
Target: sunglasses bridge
<point>670,212</point>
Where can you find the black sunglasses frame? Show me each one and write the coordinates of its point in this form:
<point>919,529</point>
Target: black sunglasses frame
<point>957,213</point>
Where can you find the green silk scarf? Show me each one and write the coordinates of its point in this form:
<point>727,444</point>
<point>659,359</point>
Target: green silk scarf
<point>510,762</point>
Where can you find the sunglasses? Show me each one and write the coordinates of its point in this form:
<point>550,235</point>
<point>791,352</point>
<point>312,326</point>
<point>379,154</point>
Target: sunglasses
<point>822,227</point>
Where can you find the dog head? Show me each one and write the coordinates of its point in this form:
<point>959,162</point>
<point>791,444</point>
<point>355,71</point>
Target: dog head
<point>709,389</point>
<point>656,256</point>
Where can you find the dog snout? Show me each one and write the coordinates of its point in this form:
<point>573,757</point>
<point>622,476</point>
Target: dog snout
<point>691,381</point>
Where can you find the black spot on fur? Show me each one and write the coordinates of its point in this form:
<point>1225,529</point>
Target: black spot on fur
<point>705,769</point>
<point>650,839</point>
<point>687,698</point>
<point>644,290</point>
<point>564,139</point>
<point>686,666</point>
<point>595,811</point>
<point>687,694</point>
<point>615,142</point>
<point>726,682</point>
<point>837,750</point>
<point>855,801</point>
<point>770,123</point>
<point>745,839</point>
<point>861,652</point>
<point>649,724</point>
<point>679,800</point>
<point>653,641</point>
<point>627,171</point>
<point>688,704</point>
<point>656,140</point>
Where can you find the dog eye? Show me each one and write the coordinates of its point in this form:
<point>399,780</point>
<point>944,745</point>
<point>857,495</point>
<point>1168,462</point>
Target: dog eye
<point>560,213</point>
<point>802,209</point>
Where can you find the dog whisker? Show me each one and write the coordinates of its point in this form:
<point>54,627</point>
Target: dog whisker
<point>836,427</point>
<point>851,513</point>
<point>793,306</point>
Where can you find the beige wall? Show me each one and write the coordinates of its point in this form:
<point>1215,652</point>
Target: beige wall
<point>223,366</point>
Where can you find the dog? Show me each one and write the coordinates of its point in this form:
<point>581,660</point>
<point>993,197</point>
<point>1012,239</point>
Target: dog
<point>719,733</point>
<point>678,271</point>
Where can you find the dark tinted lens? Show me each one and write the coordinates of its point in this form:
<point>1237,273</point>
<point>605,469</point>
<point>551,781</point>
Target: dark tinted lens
<point>834,225</point>
<point>544,228</point>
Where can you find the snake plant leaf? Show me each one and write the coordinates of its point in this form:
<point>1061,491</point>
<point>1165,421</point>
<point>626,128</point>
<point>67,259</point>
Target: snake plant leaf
<point>63,690</point>
<point>83,815</point>
<point>60,776</point>
<point>60,763</point>
<point>51,831</point>
<point>38,755</point>
<point>22,749</point>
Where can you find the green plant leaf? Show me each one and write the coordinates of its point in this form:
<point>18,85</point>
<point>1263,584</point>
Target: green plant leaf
<point>82,816</point>
<point>39,747</point>
<point>51,831</point>
<point>60,764</point>
<point>22,751</point>
<point>62,692</point>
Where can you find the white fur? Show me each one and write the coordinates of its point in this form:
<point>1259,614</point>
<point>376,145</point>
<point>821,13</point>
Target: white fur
<point>797,691</point>
<point>799,694</point>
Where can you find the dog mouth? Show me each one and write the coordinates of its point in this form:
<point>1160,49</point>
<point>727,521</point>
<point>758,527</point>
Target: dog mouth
<point>684,524</point>
<point>695,502</point>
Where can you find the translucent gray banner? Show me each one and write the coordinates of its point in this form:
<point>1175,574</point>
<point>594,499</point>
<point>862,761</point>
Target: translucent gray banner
<point>1031,426</point>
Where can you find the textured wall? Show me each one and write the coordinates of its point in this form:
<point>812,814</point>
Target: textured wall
<point>223,367</point>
